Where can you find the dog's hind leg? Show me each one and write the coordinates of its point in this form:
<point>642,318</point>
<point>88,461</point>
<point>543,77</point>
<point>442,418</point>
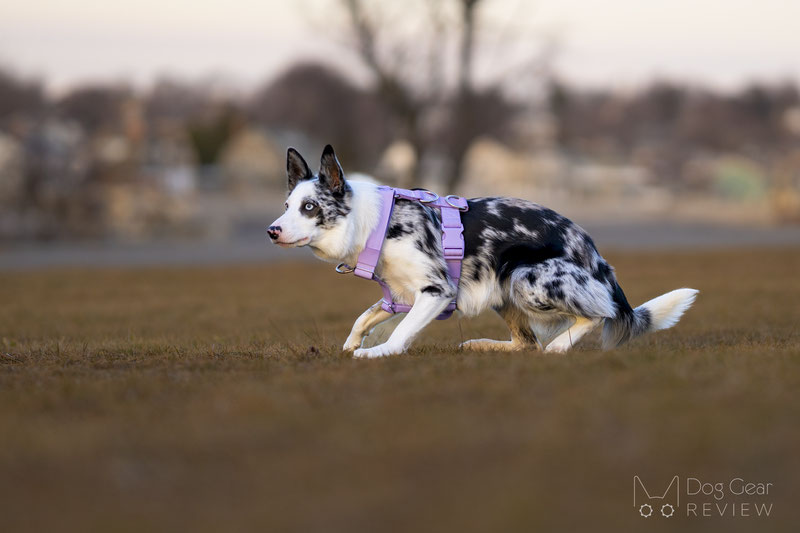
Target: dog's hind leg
<point>548,326</point>
<point>364,323</point>
<point>569,338</point>
<point>522,337</point>
<point>558,295</point>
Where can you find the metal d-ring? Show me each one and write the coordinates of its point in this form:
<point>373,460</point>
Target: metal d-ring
<point>435,197</point>
<point>451,204</point>
<point>343,268</point>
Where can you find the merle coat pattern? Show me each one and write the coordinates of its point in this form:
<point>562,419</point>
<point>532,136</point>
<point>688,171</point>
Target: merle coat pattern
<point>541,272</point>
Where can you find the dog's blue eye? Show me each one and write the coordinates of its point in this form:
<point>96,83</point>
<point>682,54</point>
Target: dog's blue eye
<point>309,206</point>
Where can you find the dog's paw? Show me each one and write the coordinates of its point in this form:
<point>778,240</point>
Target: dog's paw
<point>558,346</point>
<point>489,345</point>
<point>351,344</point>
<point>474,344</point>
<point>380,350</point>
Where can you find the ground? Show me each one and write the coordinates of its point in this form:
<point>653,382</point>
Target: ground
<point>217,399</point>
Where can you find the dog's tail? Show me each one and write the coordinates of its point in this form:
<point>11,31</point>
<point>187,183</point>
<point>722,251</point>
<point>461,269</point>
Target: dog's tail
<point>659,313</point>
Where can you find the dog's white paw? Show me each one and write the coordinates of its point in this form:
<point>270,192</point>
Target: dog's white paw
<point>558,346</point>
<point>489,345</point>
<point>475,344</point>
<point>351,344</point>
<point>380,350</point>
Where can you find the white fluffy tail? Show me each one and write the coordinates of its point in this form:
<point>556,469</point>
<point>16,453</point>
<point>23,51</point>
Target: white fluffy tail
<point>667,309</point>
<point>659,313</point>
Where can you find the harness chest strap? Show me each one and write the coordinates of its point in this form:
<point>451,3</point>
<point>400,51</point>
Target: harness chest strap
<point>452,241</point>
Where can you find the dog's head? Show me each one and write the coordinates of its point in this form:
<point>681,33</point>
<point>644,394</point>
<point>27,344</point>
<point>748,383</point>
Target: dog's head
<point>316,204</point>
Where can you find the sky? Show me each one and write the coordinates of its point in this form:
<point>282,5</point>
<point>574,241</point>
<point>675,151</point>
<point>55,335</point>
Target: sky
<point>616,43</point>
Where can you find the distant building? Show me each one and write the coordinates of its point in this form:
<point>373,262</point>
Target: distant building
<point>397,163</point>
<point>11,170</point>
<point>252,160</point>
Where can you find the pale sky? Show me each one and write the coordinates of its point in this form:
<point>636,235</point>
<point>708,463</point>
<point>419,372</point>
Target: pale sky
<point>617,43</point>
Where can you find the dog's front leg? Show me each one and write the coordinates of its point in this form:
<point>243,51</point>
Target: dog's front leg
<point>368,320</point>
<point>426,307</point>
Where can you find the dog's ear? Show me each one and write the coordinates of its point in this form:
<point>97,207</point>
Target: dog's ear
<point>296,168</point>
<point>330,171</point>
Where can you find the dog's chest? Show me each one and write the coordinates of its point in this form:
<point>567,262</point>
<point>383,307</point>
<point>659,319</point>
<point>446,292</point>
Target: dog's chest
<point>403,268</point>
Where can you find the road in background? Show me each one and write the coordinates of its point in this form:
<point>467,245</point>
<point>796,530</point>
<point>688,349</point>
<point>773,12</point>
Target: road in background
<point>250,245</point>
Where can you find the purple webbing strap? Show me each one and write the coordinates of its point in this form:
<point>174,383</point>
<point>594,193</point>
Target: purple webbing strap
<point>452,241</point>
<point>368,258</point>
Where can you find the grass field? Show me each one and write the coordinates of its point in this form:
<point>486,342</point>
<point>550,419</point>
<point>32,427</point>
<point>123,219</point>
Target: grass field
<point>217,399</point>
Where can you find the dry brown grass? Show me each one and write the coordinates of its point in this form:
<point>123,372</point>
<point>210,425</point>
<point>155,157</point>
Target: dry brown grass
<point>192,399</point>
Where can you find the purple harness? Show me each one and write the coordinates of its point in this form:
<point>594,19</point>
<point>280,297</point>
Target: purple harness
<point>452,242</point>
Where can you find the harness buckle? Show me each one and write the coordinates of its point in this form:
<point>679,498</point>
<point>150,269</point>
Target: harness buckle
<point>452,240</point>
<point>454,253</point>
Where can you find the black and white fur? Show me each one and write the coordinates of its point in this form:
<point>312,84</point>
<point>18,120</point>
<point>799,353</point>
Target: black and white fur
<point>537,269</point>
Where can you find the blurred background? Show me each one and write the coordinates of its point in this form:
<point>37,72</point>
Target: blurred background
<point>151,132</point>
<point>154,133</point>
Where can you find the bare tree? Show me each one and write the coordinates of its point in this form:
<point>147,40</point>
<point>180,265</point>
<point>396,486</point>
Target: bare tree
<point>19,96</point>
<point>94,107</point>
<point>316,99</point>
<point>408,100</point>
<point>411,72</point>
<point>462,121</point>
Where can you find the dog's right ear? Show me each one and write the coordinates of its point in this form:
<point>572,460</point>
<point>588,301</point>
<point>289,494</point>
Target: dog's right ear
<point>296,169</point>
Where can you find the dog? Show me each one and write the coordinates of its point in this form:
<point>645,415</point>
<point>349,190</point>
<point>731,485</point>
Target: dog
<point>537,269</point>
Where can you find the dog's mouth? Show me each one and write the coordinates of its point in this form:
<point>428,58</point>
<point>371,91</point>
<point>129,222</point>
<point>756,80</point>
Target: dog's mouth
<point>294,244</point>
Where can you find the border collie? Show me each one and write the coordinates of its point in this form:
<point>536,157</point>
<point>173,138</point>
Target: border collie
<point>538,270</point>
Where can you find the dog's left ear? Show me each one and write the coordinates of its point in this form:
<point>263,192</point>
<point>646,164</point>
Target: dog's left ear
<point>330,171</point>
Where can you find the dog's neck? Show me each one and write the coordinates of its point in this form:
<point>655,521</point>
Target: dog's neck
<point>344,242</point>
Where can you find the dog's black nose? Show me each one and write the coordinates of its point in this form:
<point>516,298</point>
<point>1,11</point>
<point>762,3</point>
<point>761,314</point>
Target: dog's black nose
<point>274,232</point>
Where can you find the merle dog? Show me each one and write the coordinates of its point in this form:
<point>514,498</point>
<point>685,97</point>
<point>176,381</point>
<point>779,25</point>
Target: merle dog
<point>537,269</point>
